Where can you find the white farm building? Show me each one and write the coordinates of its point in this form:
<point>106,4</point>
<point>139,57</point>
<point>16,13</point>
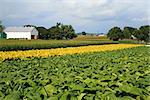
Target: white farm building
<point>21,33</point>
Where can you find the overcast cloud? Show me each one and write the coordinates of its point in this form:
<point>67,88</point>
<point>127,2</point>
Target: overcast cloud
<point>84,15</point>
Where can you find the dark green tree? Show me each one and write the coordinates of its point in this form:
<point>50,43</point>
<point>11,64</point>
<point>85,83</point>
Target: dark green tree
<point>29,26</point>
<point>1,27</point>
<point>143,33</point>
<point>55,32</point>
<point>61,31</point>
<point>128,31</point>
<point>43,33</point>
<point>115,34</point>
<point>68,32</point>
<point>83,33</point>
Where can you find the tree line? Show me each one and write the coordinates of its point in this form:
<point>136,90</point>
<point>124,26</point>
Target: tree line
<point>59,32</point>
<point>141,34</point>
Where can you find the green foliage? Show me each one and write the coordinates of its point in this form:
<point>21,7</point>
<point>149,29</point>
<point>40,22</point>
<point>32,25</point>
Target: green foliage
<point>144,33</point>
<point>3,35</point>
<point>55,33</point>
<point>130,41</point>
<point>61,31</point>
<point>115,75</point>
<point>29,26</point>
<point>1,27</point>
<point>83,33</point>
<point>15,95</point>
<point>9,45</point>
<point>43,33</point>
<point>115,34</point>
<point>128,31</point>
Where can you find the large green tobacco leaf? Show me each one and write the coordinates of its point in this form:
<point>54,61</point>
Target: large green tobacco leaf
<point>13,96</point>
<point>106,96</point>
<point>77,87</point>
<point>115,75</point>
<point>127,98</point>
<point>48,90</point>
<point>131,89</point>
<point>81,96</point>
<point>53,98</point>
<point>64,96</point>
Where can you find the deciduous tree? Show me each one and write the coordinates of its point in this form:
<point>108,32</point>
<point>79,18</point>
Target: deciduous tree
<point>1,27</point>
<point>115,34</point>
<point>128,31</point>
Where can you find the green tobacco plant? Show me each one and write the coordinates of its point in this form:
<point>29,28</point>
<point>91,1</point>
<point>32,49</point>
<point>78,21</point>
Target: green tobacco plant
<point>113,75</point>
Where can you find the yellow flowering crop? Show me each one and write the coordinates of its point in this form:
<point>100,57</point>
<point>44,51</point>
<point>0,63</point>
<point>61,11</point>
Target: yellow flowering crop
<point>62,51</point>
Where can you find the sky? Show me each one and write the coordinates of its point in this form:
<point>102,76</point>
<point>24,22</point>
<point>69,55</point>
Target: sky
<point>93,16</point>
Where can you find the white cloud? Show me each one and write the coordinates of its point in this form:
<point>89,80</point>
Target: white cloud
<point>141,19</point>
<point>76,12</point>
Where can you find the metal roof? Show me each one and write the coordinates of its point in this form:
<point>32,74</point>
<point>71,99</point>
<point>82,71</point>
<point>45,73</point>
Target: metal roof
<point>18,29</point>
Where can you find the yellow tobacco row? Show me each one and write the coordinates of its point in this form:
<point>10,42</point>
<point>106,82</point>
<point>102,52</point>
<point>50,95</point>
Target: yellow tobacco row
<point>63,51</point>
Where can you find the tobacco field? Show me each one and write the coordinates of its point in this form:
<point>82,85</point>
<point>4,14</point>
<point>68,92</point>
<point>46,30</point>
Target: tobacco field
<point>110,75</point>
<point>5,55</point>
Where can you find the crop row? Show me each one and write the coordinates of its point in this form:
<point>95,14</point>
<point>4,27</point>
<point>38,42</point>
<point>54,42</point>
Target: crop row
<point>11,45</point>
<point>112,75</point>
<point>62,51</point>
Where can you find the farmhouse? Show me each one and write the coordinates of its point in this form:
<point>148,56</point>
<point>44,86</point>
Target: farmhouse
<point>21,33</point>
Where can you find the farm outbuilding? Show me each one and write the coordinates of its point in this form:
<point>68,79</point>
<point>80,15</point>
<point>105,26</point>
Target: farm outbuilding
<point>3,35</point>
<point>100,34</point>
<point>21,33</point>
